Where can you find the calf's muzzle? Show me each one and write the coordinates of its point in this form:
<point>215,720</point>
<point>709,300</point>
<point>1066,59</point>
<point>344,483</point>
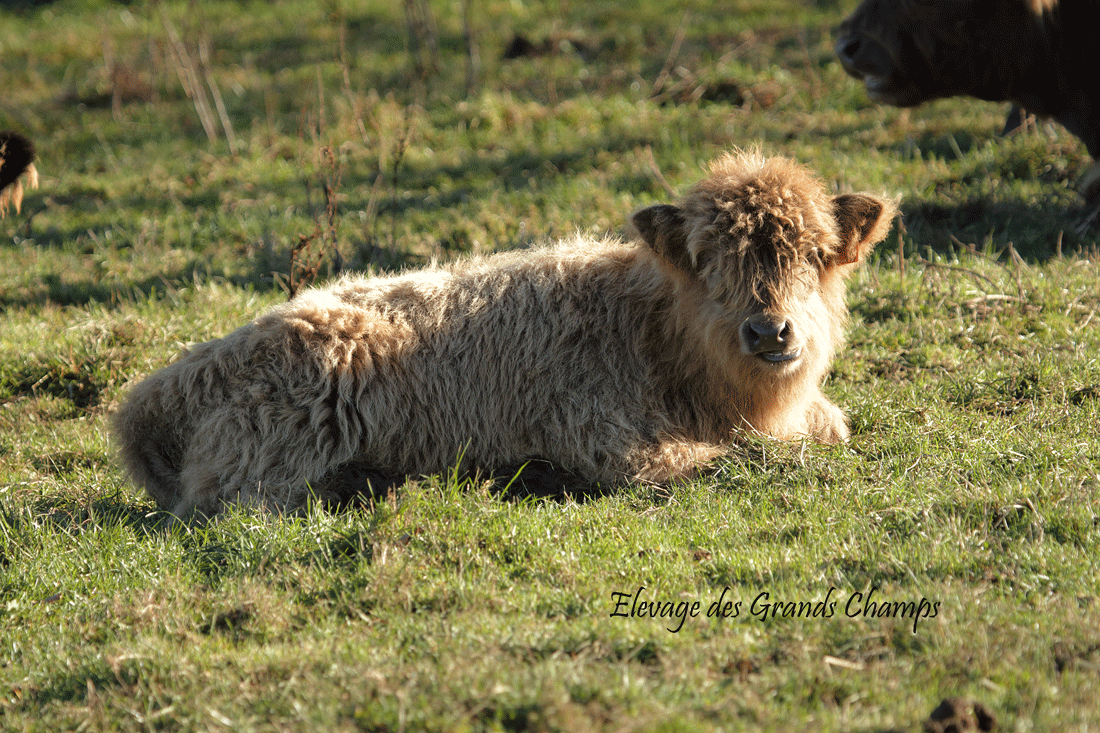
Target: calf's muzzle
<point>770,338</point>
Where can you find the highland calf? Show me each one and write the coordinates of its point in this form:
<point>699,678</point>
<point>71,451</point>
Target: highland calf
<point>1039,54</point>
<point>613,361</point>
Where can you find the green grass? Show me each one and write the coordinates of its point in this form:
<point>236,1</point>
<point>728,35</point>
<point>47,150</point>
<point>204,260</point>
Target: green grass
<point>972,380</point>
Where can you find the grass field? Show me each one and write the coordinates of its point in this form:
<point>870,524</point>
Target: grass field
<point>186,149</point>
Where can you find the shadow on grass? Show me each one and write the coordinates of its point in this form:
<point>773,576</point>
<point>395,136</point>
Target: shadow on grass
<point>53,290</point>
<point>76,514</point>
<point>76,382</point>
<point>1036,231</point>
<point>358,485</point>
<point>242,541</point>
<point>440,188</point>
<point>480,178</point>
<point>940,145</point>
<point>79,685</point>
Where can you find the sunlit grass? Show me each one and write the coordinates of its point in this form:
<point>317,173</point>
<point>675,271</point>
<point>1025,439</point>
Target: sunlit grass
<point>970,377</point>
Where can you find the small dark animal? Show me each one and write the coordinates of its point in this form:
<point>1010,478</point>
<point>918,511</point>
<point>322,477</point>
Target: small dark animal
<point>959,715</point>
<point>16,166</point>
<point>1038,54</point>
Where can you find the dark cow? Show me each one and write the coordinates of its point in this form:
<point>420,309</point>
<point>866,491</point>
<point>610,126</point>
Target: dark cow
<point>1039,54</point>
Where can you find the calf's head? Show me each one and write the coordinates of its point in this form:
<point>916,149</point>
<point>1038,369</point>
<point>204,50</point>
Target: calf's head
<point>767,248</point>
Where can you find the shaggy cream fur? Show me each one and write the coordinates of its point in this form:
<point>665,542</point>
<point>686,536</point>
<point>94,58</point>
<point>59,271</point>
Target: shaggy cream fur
<point>614,361</point>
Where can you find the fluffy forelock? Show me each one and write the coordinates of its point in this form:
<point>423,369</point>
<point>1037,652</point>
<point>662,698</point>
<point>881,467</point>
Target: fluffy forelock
<point>766,217</point>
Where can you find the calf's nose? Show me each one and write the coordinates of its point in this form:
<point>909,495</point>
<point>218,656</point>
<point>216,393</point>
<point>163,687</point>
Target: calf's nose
<point>762,334</point>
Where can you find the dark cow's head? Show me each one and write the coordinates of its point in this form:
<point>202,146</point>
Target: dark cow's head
<point>911,51</point>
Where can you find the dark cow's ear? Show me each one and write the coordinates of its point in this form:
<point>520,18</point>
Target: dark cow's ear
<point>662,228</point>
<point>862,221</point>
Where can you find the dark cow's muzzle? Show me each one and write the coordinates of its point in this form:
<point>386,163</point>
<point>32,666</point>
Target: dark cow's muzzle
<point>769,338</point>
<point>858,55</point>
<point>870,62</point>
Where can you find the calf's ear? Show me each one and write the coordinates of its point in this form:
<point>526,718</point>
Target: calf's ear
<point>862,221</point>
<point>662,227</point>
